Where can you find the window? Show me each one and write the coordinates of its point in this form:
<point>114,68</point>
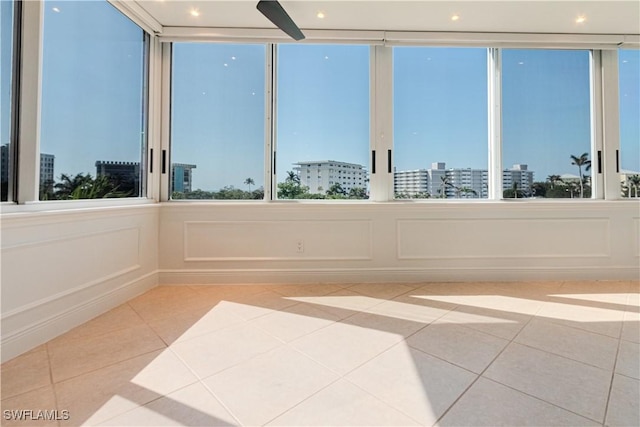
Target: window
<point>218,119</point>
<point>629,69</point>
<point>440,122</point>
<point>93,118</point>
<point>7,29</point>
<point>322,119</point>
<point>546,129</point>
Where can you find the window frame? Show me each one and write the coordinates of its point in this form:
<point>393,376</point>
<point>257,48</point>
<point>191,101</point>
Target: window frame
<point>26,106</point>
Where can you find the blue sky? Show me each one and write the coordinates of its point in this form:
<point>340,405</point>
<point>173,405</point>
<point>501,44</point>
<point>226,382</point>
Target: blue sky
<point>6,39</point>
<point>92,91</point>
<point>91,86</point>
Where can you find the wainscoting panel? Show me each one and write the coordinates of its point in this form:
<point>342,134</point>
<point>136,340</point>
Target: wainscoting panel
<point>277,240</point>
<point>502,238</point>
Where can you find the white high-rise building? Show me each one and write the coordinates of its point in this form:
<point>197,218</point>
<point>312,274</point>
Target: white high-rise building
<point>458,183</point>
<point>319,176</point>
<point>521,176</point>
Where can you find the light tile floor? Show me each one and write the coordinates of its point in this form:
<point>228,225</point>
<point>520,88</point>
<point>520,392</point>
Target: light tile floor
<point>445,354</point>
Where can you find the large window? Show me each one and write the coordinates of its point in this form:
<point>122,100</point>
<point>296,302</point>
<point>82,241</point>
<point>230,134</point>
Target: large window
<point>546,123</point>
<point>93,120</point>
<point>218,121</point>
<point>322,122</point>
<point>629,69</point>
<point>440,122</point>
<point>7,30</point>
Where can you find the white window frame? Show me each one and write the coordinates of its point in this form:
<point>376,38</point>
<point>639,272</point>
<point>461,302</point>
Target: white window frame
<point>604,83</point>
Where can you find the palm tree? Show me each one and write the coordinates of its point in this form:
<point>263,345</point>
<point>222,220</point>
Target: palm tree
<point>292,177</point>
<point>249,182</point>
<point>466,191</point>
<point>634,183</point>
<point>581,161</point>
<point>553,180</point>
<point>445,182</point>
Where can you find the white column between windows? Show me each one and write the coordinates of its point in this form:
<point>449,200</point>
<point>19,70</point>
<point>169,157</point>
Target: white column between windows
<point>154,114</point>
<point>29,106</point>
<point>597,152</point>
<point>270,177</point>
<point>165,128</point>
<point>381,113</point>
<point>611,124</point>
<point>494,75</point>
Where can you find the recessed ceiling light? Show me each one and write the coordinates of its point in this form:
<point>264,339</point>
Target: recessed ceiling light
<point>56,9</point>
<point>320,15</point>
<point>455,17</point>
<point>580,19</point>
<point>194,12</point>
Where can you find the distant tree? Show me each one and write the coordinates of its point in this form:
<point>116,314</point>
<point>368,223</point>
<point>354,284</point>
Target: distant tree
<point>358,193</point>
<point>539,189</point>
<point>467,191</point>
<point>336,190</point>
<point>553,180</point>
<point>572,188</point>
<point>249,182</point>
<point>421,195</point>
<point>292,177</point>
<point>513,193</point>
<point>582,161</point>
<point>291,188</point>
<point>83,186</point>
<point>634,184</point>
<point>47,191</point>
<point>445,182</point>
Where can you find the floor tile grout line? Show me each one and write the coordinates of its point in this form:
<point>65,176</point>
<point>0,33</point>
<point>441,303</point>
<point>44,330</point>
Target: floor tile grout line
<point>338,378</point>
<point>613,375</point>
<point>110,365</point>
<point>540,399</point>
<point>200,380</point>
<point>480,375</point>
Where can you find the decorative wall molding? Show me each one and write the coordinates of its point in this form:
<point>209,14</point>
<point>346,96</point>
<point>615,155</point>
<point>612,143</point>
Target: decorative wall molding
<point>390,275</point>
<point>278,240</point>
<point>39,328</point>
<point>499,238</point>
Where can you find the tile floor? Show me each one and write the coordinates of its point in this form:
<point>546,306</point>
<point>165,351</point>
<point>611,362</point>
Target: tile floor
<point>445,354</point>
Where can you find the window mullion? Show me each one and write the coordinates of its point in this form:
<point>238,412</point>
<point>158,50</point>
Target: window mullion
<point>29,107</point>
<point>494,76</point>
<point>163,156</point>
<point>381,111</point>
<point>597,172</point>
<point>155,118</point>
<point>611,124</point>
<point>270,178</point>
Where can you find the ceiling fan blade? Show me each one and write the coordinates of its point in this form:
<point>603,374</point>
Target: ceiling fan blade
<point>276,14</point>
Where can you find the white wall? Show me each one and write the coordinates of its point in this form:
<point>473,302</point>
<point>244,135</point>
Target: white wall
<point>373,242</point>
<point>62,268</point>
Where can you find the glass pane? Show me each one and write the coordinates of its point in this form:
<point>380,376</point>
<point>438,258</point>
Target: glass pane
<point>440,122</point>
<point>6,76</point>
<point>323,122</point>
<point>218,121</point>
<point>629,69</point>
<point>546,126</point>
<point>93,89</point>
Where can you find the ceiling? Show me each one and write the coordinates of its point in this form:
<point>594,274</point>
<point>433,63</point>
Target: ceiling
<point>515,16</point>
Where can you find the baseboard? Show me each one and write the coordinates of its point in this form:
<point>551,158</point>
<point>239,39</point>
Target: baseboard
<point>381,275</point>
<point>47,327</point>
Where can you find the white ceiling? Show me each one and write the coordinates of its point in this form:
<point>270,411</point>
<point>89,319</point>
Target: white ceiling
<point>538,16</point>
